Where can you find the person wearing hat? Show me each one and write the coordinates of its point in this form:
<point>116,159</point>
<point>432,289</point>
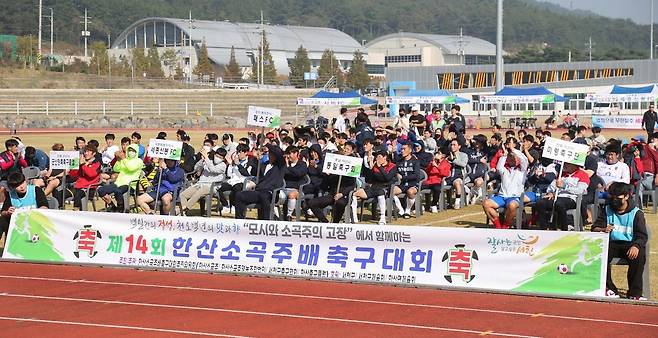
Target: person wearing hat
<point>612,170</point>
<point>649,120</point>
<point>561,197</point>
<point>417,122</point>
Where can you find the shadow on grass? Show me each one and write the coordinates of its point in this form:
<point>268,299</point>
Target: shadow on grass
<point>472,224</point>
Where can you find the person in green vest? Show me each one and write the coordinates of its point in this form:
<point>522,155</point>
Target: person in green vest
<point>129,169</point>
<point>625,223</point>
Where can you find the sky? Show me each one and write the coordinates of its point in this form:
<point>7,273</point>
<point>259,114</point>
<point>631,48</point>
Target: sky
<point>636,10</point>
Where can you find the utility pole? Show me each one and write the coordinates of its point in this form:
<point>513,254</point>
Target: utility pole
<point>500,75</point>
<point>40,22</point>
<point>460,49</point>
<point>589,47</point>
<point>652,46</point>
<point>85,33</point>
<point>262,50</point>
<point>52,34</point>
<point>190,26</point>
<point>109,61</point>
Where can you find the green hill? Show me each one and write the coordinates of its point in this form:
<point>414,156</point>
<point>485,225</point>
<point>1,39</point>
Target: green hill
<point>526,21</point>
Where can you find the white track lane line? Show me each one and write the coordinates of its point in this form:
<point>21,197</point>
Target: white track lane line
<point>138,328</point>
<point>353,300</point>
<point>259,313</point>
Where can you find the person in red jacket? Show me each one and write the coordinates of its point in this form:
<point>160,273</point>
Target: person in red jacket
<point>436,171</point>
<point>87,176</point>
<point>650,163</point>
<point>11,160</point>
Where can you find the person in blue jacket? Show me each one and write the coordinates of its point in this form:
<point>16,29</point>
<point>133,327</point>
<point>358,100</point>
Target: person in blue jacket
<point>37,158</point>
<point>172,179</point>
<point>271,177</point>
<point>625,223</point>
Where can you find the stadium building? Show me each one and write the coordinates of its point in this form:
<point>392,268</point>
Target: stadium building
<point>404,50</point>
<point>574,80</point>
<point>186,37</point>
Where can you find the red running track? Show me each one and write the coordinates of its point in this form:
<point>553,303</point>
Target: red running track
<point>39,300</point>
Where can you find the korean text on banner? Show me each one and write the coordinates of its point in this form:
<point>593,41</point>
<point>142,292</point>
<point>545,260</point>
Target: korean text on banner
<point>618,122</point>
<point>342,165</point>
<point>64,160</point>
<point>264,117</point>
<point>514,260</point>
<point>564,151</point>
<point>165,149</point>
<point>316,101</point>
<point>511,99</point>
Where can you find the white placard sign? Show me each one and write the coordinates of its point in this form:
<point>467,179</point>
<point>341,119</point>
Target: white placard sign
<point>564,151</point>
<point>342,165</point>
<point>165,149</point>
<point>64,160</point>
<point>264,117</point>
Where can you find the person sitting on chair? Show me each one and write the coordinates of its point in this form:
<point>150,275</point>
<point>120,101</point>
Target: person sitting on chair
<point>626,224</point>
<point>561,197</point>
<point>170,177</point>
<point>20,196</point>
<point>381,176</point>
<point>271,177</point>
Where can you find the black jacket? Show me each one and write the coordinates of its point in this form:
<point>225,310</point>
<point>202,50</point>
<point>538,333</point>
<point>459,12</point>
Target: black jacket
<point>295,175</point>
<point>273,178</point>
<point>649,120</point>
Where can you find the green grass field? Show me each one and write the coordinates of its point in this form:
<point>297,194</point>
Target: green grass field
<point>467,217</point>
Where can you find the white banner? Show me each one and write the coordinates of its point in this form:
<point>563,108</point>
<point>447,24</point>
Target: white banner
<point>615,98</point>
<point>545,262</point>
<point>312,101</point>
<point>512,99</point>
<point>420,99</point>
<point>342,165</point>
<point>564,151</point>
<point>165,149</point>
<point>264,117</point>
<point>618,121</point>
<point>64,160</point>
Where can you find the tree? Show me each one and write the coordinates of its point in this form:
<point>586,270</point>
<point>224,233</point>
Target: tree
<point>299,65</point>
<point>26,49</point>
<point>269,71</point>
<point>139,62</point>
<point>329,66</point>
<point>203,67</point>
<point>155,67</point>
<point>99,58</point>
<point>169,60</point>
<point>357,77</point>
<point>233,73</point>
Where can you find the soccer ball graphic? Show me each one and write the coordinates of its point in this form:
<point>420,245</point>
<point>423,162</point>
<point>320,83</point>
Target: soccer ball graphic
<point>563,269</point>
<point>35,238</point>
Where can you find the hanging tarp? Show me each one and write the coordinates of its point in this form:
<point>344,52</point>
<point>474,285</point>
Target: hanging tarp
<point>511,95</point>
<point>426,97</point>
<point>620,94</point>
<point>325,98</point>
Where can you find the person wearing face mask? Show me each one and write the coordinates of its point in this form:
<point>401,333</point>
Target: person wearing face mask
<point>626,224</point>
<point>20,196</point>
<point>512,169</point>
<point>172,178</point>
<point>211,169</point>
<point>128,168</point>
<point>561,197</point>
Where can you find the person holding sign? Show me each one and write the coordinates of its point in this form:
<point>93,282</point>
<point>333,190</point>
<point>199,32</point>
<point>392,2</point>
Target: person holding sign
<point>171,177</point>
<point>625,223</point>
<point>86,176</point>
<point>381,176</point>
<point>561,197</point>
<point>339,188</point>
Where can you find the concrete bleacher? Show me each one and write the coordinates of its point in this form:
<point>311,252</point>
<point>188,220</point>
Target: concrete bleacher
<point>216,102</point>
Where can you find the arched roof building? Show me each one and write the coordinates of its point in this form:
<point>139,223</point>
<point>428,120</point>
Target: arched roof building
<point>220,36</point>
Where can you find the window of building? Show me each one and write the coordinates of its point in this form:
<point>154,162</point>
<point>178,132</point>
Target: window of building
<point>402,59</point>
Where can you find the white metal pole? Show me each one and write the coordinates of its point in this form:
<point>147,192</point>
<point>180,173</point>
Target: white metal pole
<point>40,22</point>
<point>86,34</point>
<point>210,108</point>
<point>652,46</point>
<point>103,108</point>
<point>262,49</point>
<point>500,75</point>
<point>46,107</point>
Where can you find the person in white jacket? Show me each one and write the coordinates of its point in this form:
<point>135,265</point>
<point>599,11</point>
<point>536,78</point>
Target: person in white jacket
<point>512,169</point>
<point>211,168</point>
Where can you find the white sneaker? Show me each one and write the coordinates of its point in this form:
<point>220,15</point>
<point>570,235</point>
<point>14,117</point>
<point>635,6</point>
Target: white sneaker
<point>458,203</point>
<point>309,212</point>
<point>226,211</point>
<point>611,294</point>
<point>382,221</point>
<point>434,209</point>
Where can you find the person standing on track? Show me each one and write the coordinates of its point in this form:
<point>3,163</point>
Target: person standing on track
<point>649,120</point>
